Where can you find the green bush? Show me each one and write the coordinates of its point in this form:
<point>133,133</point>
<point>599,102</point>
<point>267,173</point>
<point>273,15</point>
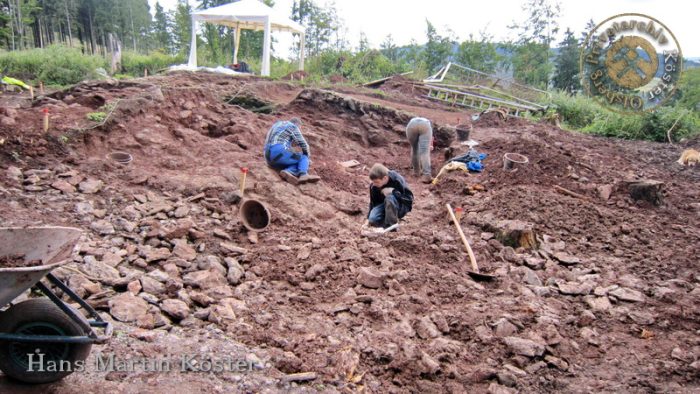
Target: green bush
<point>134,63</point>
<point>54,65</point>
<point>576,111</point>
<point>689,90</point>
<point>651,126</point>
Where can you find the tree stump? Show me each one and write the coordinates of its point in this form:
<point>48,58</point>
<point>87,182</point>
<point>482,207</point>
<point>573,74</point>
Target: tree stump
<point>515,233</point>
<point>646,190</point>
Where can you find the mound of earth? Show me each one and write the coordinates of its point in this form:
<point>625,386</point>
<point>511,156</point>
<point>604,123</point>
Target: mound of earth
<point>603,297</point>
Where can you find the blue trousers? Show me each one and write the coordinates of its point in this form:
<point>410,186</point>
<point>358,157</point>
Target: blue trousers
<point>279,158</point>
<point>386,213</point>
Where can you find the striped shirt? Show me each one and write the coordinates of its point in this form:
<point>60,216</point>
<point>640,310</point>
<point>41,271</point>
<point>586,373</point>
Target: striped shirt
<point>286,133</point>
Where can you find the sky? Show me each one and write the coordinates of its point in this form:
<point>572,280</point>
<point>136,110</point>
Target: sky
<point>405,20</point>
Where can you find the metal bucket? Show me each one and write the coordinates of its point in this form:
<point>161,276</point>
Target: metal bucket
<point>513,160</point>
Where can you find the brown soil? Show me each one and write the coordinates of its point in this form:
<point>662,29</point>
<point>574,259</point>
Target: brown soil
<point>17,261</point>
<point>396,313</point>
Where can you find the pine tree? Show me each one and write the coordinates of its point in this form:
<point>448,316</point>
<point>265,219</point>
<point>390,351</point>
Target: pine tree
<point>161,29</point>
<point>438,49</point>
<point>566,76</point>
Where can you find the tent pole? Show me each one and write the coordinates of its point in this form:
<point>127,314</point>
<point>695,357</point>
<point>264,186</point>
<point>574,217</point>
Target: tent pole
<point>192,62</point>
<point>301,52</point>
<point>266,49</point>
<point>238,41</point>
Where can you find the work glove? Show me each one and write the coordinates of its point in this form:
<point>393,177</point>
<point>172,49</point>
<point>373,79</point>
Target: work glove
<point>387,191</point>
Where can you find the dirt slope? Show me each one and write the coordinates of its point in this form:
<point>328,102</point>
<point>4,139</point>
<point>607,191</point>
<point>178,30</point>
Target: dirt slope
<point>606,301</point>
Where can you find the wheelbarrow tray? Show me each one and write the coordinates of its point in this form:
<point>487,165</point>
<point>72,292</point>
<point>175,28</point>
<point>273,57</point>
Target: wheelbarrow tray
<point>52,245</point>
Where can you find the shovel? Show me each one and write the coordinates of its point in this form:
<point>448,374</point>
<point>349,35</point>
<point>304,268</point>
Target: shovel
<point>475,273</point>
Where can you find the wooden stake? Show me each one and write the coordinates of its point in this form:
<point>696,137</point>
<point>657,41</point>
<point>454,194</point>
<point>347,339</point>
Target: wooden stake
<point>46,119</point>
<point>570,193</point>
<point>244,170</point>
<point>31,92</point>
<point>41,88</point>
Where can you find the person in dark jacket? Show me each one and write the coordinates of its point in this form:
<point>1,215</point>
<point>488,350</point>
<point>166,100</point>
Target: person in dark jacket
<point>390,199</point>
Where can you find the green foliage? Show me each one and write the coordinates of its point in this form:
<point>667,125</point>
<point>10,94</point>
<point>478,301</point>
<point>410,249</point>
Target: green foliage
<point>689,90</point>
<point>438,49</point>
<point>98,117</point>
<point>531,64</point>
<point>480,55</point>
<point>651,126</point>
<point>576,111</point>
<point>134,63</point>
<point>584,113</point>
<point>55,65</point>
<point>566,76</point>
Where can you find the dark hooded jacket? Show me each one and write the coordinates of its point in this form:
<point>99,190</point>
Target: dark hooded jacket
<point>403,194</point>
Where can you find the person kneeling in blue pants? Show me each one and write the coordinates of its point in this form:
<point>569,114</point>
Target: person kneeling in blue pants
<point>390,199</point>
<point>293,166</point>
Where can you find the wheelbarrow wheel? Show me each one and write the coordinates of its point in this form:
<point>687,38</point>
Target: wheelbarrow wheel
<point>50,361</point>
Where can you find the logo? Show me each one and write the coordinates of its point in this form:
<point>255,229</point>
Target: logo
<point>631,63</point>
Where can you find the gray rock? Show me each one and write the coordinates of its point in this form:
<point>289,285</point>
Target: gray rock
<point>369,277</point>
<point>566,259</point>
<point>626,294</point>
<point>176,309</point>
<point>183,250</point>
<point>152,286</point>
<point>641,317</point>
<point>126,307</point>
<point>182,211</point>
<point>504,328</point>
<point>507,378</point>
<point>535,263</point>
<point>235,271</point>
<point>151,254</point>
<point>159,275</point>
<point>98,269</point>
<point>542,291</point>
<point>495,388</point>
<point>575,288</point>
<point>349,254</point>
<point>14,173</point>
<point>530,277</point>
<point>557,363</point>
<point>102,227</point>
<point>524,347</point>
<point>314,271</point>
<point>231,248</point>
<point>599,304</point>
<point>90,186</point>
<point>211,262</point>
<point>204,279</point>
<point>84,208</point>
<point>430,365</point>
<point>426,329</point>
<point>63,186</point>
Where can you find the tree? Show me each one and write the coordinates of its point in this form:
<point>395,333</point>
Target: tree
<point>480,55</point>
<point>182,27</point>
<point>438,49</point>
<point>531,51</point>
<point>566,75</point>
<point>389,49</point>
<point>161,29</point>
<point>363,44</point>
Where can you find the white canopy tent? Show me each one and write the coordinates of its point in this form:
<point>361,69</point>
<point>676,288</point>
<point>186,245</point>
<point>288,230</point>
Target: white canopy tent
<point>251,15</point>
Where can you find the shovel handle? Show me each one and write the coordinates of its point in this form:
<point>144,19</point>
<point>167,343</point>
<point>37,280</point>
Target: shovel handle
<point>472,259</point>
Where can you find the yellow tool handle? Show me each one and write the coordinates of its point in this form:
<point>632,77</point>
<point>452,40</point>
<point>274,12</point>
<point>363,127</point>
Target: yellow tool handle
<point>472,259</point>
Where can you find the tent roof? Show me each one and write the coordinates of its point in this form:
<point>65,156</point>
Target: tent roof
<point>247,14</point>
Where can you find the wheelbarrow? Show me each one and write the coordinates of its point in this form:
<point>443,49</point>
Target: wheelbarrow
<point>42,339</point>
